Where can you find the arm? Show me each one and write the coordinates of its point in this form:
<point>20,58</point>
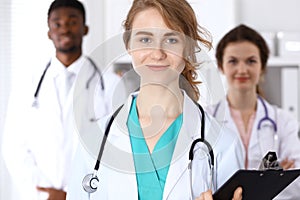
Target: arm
<point>289,143</point>
<point>289,149</point>
<point>53,194</point>
<point>17,157</point>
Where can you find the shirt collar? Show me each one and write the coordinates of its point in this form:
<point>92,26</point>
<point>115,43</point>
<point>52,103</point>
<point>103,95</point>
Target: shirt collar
<point>57,67</point>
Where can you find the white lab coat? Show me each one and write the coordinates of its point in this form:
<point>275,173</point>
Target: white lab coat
<point>261,142</point>
<point>117,174</point>
<point>39,143</point>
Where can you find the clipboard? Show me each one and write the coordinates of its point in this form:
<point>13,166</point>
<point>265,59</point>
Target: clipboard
<point>257,184</point>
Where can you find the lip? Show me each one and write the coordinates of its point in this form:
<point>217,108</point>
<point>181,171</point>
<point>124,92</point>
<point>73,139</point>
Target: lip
<point>65,39</point>
<point>158,67</point>
<point>242,79</point>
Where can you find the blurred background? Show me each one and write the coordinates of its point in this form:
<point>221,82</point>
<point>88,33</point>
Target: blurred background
<point>24,46</point>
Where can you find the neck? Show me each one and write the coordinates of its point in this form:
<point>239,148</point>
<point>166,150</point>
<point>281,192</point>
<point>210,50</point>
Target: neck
<point>157,108</point>
<point>156,100</point>
<point>67,58</point>
<point>242,101</point>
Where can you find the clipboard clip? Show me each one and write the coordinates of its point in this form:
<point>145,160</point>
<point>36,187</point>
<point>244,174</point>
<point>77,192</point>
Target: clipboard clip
<point>270,162</point>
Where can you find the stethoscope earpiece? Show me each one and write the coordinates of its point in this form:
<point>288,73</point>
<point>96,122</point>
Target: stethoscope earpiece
<point>90,183</point>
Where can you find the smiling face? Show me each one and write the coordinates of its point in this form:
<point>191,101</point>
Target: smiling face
<point>66,29</point>
<point>242,66</point>
<point>156,50</point>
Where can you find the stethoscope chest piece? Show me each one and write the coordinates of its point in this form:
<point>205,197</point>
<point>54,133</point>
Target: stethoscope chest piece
<point>90,183</point>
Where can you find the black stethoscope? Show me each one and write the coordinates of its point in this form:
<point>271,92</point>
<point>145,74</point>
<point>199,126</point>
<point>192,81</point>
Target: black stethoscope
<point>96,71</point>
<point>90,181</point>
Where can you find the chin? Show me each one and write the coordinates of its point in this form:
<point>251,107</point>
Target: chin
<point>68,50</point>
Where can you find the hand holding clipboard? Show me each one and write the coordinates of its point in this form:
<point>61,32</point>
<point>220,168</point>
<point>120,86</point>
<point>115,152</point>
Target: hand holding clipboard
<point>264,184</point>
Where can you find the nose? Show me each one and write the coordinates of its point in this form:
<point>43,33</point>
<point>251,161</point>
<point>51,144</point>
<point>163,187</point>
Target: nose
<point>242,67</point>
<point>65,27</point>
<point>158,53</point>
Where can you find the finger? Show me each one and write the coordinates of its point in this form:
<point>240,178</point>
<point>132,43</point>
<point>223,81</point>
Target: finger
<point>208,195</point>
<point>238,194</point>
<point>205,196</point>
<point>283,163</point>
<point>288,164</point>
<point>42,189</point>
<point>201,197</point>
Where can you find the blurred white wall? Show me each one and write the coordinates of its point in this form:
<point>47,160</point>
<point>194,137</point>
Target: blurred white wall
<point>270,15</point>
<point>5,74</point>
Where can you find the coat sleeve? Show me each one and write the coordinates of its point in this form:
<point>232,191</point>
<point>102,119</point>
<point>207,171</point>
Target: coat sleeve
<point>289,143</point>
<point>289,147</point>
<point>16,154</point>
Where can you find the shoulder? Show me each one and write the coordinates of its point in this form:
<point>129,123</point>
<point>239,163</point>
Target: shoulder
<point>280,113</point>
<point>284,114</point>
<point>112,80</point>
<point>217,108</point>
<point>286,121</point>
<point>110,75</point>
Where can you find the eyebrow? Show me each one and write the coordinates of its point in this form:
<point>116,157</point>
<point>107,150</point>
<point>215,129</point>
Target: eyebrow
<point>236,57</point>
<point>253,56</point>
<point>151,34</point>
<point>172,34</point>
<point>143,33</point>
<point>71,16</point>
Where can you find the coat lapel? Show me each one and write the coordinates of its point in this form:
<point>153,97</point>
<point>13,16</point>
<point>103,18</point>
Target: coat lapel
<point>253,139</point>
<point>190,130</point>
<point>224,117</point>
<point>262,139</point>
<point>118,155</point>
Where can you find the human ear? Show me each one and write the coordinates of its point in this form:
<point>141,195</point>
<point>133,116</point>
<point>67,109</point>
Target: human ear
<point>220,67</point>
<point>86,30</point>
<point>263,71</point>
<point>128,49</point>
<point>49,35</point>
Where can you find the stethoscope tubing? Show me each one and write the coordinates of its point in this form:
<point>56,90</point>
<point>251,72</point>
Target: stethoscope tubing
<point>259,125</point>
<point>96,71</point>
<point>191,153</point>
<point>265,118</point>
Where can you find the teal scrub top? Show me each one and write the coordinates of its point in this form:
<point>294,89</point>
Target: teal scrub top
<point>151,169</point>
